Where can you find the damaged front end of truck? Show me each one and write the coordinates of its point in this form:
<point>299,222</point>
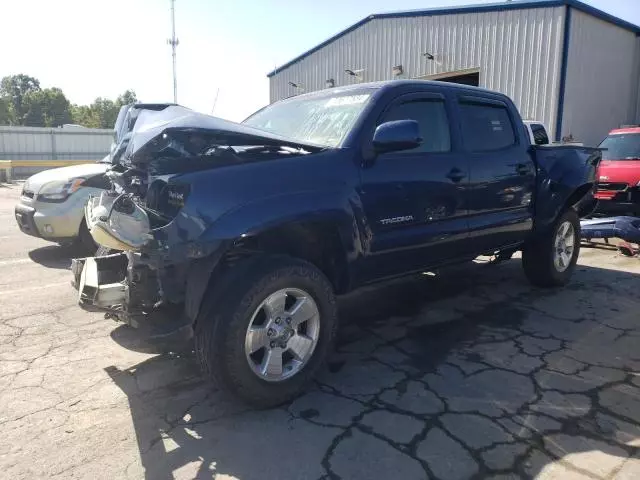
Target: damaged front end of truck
<point>157,245</point>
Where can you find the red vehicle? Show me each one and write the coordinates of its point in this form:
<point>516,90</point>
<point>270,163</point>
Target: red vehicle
<point>619,172</point>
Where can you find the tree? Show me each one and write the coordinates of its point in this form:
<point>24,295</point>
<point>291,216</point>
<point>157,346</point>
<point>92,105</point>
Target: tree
<point>16,87</point>
<point>85,116</point>
<point>57,109</point>
<point>34,113</point>
<point>127,98</point>
<point>46,108</point>
<point>6,112</point>
<point>23,102</point>
<point>106,111</point>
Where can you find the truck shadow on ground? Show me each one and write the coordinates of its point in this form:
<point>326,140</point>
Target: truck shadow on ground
<point>54,256</point>
<point>462,376</point>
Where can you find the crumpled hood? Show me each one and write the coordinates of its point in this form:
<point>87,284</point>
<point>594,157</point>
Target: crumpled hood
<point>180,131</point>
<point>35,182</point>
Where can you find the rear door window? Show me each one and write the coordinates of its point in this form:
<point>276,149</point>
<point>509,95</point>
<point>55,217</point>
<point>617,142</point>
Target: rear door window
<point>486,127</point>
<point>623,146</point>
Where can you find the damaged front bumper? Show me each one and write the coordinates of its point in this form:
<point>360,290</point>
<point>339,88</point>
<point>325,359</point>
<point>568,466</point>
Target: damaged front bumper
<point>157,283</point>
<point>129,291</point>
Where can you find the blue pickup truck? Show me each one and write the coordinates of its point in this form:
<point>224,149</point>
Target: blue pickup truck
<point>242,235</point>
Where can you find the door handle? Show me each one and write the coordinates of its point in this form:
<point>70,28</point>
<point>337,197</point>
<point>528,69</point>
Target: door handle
<point>523,169</point>
<point>455,175</point>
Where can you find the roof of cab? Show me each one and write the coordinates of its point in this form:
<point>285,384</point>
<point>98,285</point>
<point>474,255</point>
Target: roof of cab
<point>390,84</point>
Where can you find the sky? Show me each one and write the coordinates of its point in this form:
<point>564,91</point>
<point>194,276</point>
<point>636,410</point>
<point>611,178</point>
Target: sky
<point>99,48</point>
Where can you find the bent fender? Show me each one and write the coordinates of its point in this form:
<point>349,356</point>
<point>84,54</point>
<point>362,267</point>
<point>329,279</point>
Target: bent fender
<point>562,171</point>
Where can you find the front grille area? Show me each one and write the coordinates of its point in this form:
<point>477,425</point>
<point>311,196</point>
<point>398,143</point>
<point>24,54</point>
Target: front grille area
<point>630,196</point>
<point>613,187</point>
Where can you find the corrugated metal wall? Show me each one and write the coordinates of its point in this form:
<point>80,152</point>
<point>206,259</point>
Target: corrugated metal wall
<point>33,143</point>
<point>602,78</point>
<point>518,52</point>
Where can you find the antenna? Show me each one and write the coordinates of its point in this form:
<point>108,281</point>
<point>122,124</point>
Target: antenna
<point>173,41</point>
<point>215,101</point>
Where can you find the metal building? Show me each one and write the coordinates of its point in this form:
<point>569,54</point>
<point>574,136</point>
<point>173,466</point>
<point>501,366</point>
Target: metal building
<point>563,62</point>
<point>48,147</point>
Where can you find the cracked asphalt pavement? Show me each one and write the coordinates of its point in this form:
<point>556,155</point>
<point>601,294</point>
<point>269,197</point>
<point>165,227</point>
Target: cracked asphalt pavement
<point>469,374</point>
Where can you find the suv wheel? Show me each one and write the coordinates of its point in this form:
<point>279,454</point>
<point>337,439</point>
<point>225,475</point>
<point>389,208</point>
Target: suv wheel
<point>84,243</point>
<point>550,261</point>
<point>266,329</point>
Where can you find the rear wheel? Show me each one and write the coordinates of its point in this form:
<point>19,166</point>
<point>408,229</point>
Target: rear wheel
<point>550,261</point>
<point>267,329</point>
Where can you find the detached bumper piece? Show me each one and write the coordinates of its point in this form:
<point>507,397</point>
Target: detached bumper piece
<point>101,282</point>
<point>130,292</point>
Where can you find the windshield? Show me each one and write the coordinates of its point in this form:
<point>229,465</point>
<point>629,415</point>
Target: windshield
<point>323,120</point>
<point>625,146</point>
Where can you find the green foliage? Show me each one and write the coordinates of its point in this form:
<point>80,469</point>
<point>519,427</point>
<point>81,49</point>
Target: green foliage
<point>13,89</point>
<point>6,112</point>
<point>23,102</point>
<point>106,111</point>
<point>47,108</point>
<point>84,115</point>
<point>127,98</point>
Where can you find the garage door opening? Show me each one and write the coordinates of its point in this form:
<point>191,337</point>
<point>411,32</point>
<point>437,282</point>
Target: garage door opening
<point>472,79</point>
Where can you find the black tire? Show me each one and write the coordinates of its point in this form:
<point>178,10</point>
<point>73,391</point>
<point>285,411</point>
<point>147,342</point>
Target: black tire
<point>84,243</point>
<point>223,320</point>
<point>538,257</point>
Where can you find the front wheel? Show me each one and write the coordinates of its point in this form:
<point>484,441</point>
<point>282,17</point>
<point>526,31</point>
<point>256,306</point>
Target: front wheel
<point>266,329</point>
<point>551,260</point>
<point>84,243</point>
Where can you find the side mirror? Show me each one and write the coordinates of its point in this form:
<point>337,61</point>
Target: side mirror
<point>397,135</point>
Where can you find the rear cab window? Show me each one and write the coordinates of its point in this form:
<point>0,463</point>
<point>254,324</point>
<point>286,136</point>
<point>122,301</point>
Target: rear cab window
<point>486,125</point>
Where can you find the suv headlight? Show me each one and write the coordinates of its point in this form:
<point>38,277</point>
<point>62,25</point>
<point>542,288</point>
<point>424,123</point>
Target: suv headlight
<point>59,191</point>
